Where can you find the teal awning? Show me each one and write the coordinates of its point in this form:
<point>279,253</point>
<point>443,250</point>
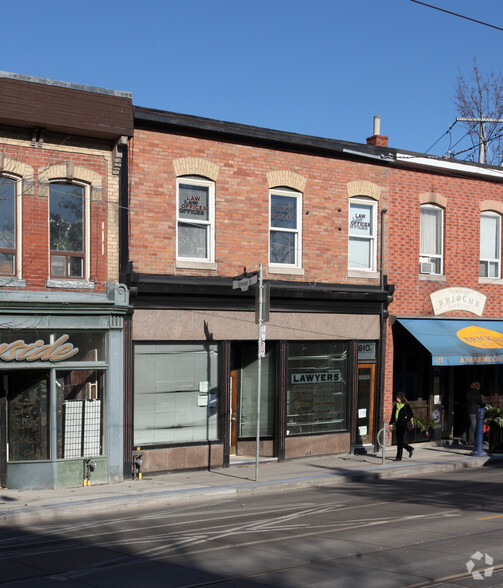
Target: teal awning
<point>459,342</point>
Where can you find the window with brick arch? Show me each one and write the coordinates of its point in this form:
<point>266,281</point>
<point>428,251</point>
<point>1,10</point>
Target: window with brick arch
<point>362,231</point>
<point>195,219</point>
<point>431,240</point>
<point>67,203</point>
<point>8,226</point>
<point>285,236</point>
<point>490,245</point>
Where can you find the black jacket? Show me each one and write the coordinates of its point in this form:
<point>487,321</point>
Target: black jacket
<point>473,401</point>
<point>404,415</point>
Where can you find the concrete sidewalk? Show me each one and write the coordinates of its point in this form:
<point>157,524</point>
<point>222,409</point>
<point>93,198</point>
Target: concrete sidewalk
<point>153,491</point>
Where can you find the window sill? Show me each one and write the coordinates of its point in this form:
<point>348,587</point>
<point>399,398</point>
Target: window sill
<point>365,274</point>
<point>12,283</point>
<point>490,281</point>
<point>70,284</point>
<point>278,269</point>
<point>206,265</point>
<point>432,278</point>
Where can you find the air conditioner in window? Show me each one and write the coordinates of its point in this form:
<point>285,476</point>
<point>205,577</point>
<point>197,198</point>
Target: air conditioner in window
<point>426,267</point>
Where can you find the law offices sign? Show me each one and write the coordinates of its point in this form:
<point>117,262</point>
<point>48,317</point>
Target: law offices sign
<point>450,299</point>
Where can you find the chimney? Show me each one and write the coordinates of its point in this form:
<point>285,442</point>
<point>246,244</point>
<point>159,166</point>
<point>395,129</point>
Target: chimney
<point>377,139</point>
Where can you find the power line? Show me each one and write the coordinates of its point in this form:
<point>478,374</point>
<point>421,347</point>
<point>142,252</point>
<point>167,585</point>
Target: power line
<point>441,137</point>
<point>486,24</point>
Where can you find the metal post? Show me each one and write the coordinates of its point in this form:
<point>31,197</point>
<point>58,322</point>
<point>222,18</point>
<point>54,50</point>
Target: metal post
<point>261,344</point>
<point>478,450</point>
<point>384,443</point>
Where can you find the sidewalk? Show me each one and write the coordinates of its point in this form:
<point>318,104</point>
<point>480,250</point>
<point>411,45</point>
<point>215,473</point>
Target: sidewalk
<point>31,506</point>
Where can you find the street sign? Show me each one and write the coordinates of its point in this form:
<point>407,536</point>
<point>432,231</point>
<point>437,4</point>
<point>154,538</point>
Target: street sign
<point>244,281</point>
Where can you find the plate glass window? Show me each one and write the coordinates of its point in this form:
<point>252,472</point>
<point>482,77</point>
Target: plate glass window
<point>431,239</point>
<point>490,245</point>
<point>175,393</point>
<point>195,219</point>
<point>317,390</point>
<point>7,226</point>
<point>67,230</point>
<point>362,235</point>
<point>284,247</point>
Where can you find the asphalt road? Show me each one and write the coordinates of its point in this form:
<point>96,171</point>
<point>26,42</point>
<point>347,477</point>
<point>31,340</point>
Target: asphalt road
<point>437,530</point>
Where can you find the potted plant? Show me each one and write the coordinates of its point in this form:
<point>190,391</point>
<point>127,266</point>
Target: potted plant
<point>424,425</point>
<point>493,419</point>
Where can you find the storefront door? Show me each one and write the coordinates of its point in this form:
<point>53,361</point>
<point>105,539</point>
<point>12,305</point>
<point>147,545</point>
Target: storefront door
<point>365,404</point>
<point>243,397</point>
<point>233,404</point>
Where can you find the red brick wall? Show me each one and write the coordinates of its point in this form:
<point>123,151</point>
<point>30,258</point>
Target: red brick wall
<point>461,240</point>
<point>36,268</point>
<point>461,247</point>
<point>242,206</point>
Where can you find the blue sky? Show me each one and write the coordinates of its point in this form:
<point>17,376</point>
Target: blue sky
<point>317,67</point>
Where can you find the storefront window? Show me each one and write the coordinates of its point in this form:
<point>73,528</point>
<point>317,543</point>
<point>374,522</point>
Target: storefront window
<point>79,401</point>
<point>175,393</point>
<point>317,387</point>
<point>27,415</point>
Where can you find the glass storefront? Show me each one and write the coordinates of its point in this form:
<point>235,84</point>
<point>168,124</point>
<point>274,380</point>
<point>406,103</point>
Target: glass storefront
<point>27,415</point>
<point>175,393</point>
<point>79,406</point>
<point>317,387</point>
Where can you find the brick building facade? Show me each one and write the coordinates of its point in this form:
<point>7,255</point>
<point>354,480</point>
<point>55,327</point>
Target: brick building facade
<point>364,216</point>
<point>210,201</point>
<point>443,253</point>
<point>61,305</point>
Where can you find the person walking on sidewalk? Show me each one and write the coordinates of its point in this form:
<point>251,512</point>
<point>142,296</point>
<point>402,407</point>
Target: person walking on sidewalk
<point>402,420</point>
<point>473,401</point>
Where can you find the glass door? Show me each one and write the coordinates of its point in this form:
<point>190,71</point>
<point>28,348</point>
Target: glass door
<point>365,404</point>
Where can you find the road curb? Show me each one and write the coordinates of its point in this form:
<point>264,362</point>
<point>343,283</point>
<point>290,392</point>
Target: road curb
<point>145,500</point>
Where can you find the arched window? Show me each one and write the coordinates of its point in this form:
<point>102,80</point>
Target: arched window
<point>68,211</point>
<point>490,245</point>
<point>8,226</point>
<point>431,240</point>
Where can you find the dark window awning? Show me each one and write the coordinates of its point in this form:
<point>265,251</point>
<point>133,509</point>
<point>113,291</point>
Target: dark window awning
<point>459,342</point>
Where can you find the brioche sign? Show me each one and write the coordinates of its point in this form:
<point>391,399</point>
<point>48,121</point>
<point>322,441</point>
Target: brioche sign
<point>480,337</point>
<point>18,350</point>
<point>451,299</point>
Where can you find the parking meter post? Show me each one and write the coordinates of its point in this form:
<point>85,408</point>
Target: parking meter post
<point>478,450</point>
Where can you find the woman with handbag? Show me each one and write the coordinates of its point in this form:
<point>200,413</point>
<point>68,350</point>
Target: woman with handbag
<point>402,420</point>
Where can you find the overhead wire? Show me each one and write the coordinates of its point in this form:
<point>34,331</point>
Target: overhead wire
<point>442,136</point>
<point>486,24</point>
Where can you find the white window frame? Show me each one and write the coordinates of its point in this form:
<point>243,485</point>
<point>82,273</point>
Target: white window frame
<point>370,239</point>
<point>297,231</point>
<point>494,261</point>
<point>427,257</point>
<point>209,224</point>
<point>87,232</point>
<point>18,212</point>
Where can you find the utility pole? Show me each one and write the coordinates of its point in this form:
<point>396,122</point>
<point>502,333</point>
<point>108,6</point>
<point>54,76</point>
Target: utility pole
<point>482,120</point>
